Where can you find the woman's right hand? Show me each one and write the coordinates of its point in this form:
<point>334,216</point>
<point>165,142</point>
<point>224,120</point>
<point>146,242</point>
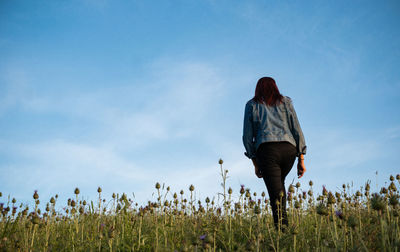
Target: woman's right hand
<point>301,168</point>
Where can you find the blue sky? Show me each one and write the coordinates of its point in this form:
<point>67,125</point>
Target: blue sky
<point>122,94</point>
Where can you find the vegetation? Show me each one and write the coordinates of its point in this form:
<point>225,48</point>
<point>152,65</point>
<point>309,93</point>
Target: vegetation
<point>176,221</point>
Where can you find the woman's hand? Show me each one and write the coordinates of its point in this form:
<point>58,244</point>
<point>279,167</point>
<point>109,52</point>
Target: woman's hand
<point>256,169</point>
<point>301,168</point>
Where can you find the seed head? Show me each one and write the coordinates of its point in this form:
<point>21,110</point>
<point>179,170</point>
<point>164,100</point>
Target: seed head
<point>114,196</point>
<point>99,189</point>
<point>230,190</point>
<point>220,161</point>
<point>324,191</point>
<point>367,187</point>
<point>297,184</point>
<point>397,177</point>
<point>297,204</point>
<point>391,178</point>
<point>191,188</point>
<point>168,188</point>
<point>52,200</point>
<point>263,194</point>
<point>73,203</point>
<point>84,202</point>
<point>310,183</point>
<point>392,187</point>
<point>76,191</point>
<point>291,188</point>
<point>13,201</point>
<point>36,195</point>
<point>181,192</point>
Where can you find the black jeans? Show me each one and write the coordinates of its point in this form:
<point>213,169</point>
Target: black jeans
<point>275,160</point>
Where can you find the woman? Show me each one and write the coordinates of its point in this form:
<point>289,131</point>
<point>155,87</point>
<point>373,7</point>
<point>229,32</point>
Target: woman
<point>273,139</point>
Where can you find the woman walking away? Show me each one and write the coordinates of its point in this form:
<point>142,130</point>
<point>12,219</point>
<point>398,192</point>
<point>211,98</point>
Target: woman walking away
<point>273,139</point>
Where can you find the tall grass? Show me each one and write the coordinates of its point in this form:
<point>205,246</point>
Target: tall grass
<point>176,221</point>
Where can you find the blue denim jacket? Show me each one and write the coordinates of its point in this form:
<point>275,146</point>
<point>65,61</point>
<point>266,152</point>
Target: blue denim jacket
<point>264,123</point>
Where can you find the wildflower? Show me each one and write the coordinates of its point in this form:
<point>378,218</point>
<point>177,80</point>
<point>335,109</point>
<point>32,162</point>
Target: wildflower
<point>257,209</point>
<point>297,184</point>
<point>392,187</point>
<point>76,191</point>
<point>331,199</point>
<point>291,188</point>
<point>230,190</point>
<point>13,201</point>
<point>202,237</point>
<point>397,177</point>
<point>324,191</point>
<point>391,178</point>
<point>384,190</point>
<point>36,195</point>
<point>367,187</point>
<point>158,186</point>
<point>310,183</point>
<point>377,202</point>
<point>263,194</point>
<point>304,195</point>
<point>207,200</point>
<point>168,188</point>
<point>220,161</point>
<point>191,188</point>
<point>358,194</point>
<point>73,203</point>
<point>321,209</point>
<point>297,204</point>
<point>99,189</point>
<point>339,214</point>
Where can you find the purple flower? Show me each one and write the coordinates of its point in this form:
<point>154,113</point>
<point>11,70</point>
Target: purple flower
<point>202,237</point>
<point>339,214</point>
<point>242,186</point>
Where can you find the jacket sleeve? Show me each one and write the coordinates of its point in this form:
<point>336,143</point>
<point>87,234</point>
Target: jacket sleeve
<point>296,131</point>
<point>249,132</point>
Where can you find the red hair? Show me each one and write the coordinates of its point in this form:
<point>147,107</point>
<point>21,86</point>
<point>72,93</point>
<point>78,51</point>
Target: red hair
<point>267,92</point>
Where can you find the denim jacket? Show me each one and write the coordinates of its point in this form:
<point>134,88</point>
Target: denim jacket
<point>277,123</point>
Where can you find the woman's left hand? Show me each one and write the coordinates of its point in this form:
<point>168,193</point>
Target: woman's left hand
<point>256,169</point>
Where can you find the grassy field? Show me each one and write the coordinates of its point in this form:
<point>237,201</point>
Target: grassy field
<point>176,221</point>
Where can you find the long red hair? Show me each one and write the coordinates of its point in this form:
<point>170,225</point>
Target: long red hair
<point>267,92</point>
